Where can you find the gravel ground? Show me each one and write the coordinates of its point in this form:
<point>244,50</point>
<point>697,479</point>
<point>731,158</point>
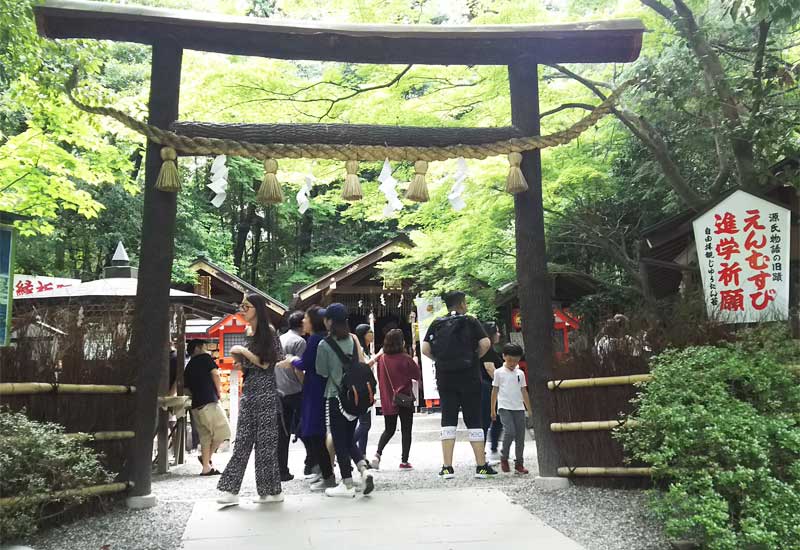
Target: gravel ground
<point>600,519</point>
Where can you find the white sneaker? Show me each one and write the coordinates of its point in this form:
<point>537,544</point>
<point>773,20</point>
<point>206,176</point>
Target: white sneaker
<point>494,456</point>
<point>227,499</point>
<point>313,478</point>
<point>376,463</point>
<point>368,481</point>
<point>323,484</point>
<point>341,491</point>
<point>268,498</point>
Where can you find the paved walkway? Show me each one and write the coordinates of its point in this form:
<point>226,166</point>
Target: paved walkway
<point>435,519</point>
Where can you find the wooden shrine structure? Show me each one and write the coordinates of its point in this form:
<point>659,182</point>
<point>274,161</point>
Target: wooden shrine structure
<point>522,48</point>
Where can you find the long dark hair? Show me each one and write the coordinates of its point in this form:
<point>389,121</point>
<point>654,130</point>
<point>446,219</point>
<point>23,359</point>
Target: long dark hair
<point>361,332</point>
<point>317,320</point>
<point>264,338</point>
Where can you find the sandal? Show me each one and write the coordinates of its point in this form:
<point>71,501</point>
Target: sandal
<point>211,472</point>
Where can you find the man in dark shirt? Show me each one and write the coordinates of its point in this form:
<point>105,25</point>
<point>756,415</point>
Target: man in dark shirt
<point>455,343</point>
<point>201,378</point>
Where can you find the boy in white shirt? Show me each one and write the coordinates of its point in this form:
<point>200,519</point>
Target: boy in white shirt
<point>510,400</point>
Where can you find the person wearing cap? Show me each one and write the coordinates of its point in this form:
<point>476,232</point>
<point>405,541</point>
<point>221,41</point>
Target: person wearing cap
<point>342,425</point>
<point>201,378</point>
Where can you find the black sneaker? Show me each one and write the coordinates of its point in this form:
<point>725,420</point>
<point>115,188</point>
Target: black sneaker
<point>447,472</point>
<point>482,472</point>
<point>287,477</point>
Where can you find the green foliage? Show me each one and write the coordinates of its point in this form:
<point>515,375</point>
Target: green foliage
<point>721,428</point>
<point>38,458</point>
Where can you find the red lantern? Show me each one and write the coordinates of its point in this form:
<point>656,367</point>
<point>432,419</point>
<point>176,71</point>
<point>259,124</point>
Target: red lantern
<point>516,319</point>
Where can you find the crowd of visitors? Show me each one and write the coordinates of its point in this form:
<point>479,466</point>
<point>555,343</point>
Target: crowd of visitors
<point>319,383</point>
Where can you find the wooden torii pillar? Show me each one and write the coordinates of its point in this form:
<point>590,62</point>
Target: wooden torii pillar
<point>520,47</point>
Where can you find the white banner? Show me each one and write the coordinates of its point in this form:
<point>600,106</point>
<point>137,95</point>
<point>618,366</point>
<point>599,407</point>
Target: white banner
<point>31,285</point>
<point>743,251</point>
<point>427,310</point>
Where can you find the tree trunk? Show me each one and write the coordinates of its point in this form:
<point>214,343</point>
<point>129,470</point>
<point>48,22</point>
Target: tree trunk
<point>532,276</point>
<point>246,218</point>
<point>150,328</point>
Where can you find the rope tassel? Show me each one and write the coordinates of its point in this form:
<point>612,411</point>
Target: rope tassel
<point>418,190</point>
<point>168,180</point>
<point>270,191</point>
<point>516,179</point>
<point>352,186</point>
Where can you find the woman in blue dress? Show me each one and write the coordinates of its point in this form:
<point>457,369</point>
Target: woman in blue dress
<point>312,408</point>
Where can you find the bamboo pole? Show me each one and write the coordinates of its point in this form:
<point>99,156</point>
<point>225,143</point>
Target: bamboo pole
<point>29,388</point>
<point>591,425</point>
<point>95,490</point>
<point>104,436</point>
<point>599,381</point>
<point>586,471</point>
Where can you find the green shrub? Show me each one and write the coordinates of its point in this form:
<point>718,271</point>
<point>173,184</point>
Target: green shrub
<point>721,428</point>
<point>38,458</point>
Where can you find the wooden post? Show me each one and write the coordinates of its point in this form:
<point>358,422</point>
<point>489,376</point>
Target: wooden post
<point>150,332</point>
<point>532,276</point>
<point>180,348</point>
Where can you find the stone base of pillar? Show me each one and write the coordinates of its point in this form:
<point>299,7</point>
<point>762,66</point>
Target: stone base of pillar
<point>551,483</point>
<point>141,502</point>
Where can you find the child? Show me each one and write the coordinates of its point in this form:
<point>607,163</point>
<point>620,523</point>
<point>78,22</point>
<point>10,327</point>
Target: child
<point>510,400</point>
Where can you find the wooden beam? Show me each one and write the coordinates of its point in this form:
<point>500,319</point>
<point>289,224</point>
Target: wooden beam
<point>592,471</point>
<point>534,282</point>
<point>150,327</point>
<point>590,42</point>
<point>571,383</point>
<point>346,134</point>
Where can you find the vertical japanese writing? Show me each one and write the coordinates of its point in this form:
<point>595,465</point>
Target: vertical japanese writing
<point>759,262</point>
<point>775,247</point>
<point>731,297</point>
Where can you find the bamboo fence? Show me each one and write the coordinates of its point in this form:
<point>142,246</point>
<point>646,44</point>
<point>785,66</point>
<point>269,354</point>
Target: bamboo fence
<point>95,490</point>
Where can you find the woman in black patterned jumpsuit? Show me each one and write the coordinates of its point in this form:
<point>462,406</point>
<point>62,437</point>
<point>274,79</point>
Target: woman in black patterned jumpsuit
<point>259,405</point>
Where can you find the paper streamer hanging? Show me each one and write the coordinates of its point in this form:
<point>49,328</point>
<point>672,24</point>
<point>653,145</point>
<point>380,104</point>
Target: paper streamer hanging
<point>219,180</point>
<point>388,187</point>
<point>454,196</point>
<point>302,195</point>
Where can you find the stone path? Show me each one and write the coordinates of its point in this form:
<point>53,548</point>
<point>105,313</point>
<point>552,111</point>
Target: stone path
<point>434,519</point>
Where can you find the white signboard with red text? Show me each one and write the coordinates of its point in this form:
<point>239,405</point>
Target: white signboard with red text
<point>32,285</point>
<point>743,252</point>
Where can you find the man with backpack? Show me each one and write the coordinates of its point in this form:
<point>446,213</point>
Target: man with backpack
<point>349,393</point>
<point>455,343</point>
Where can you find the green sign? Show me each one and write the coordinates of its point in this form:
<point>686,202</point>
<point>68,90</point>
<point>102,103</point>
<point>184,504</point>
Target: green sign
<point>6,281</point>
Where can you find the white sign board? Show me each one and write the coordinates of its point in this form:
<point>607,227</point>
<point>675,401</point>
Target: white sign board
<point>32,285</point>
<point>743,252</point>
<point>427,310</point>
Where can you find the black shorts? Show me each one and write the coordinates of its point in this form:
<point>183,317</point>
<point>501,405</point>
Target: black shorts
<point>467,398</point>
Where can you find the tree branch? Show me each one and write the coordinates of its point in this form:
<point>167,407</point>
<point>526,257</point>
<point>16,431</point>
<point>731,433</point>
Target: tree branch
<point>660,9</point>
<point>649,136</point>
<point>758,71</point>
<point>713,72</point>
<point>292,96</point>
<point>565,106</point>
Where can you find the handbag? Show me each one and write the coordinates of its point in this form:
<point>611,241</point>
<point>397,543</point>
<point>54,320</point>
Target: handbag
<point>402,400</point>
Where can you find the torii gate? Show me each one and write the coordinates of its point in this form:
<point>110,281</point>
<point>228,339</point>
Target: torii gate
<point>521,47</point>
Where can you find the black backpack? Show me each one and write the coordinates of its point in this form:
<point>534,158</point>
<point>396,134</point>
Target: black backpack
<point>452,345</point>
<point>357,391</point>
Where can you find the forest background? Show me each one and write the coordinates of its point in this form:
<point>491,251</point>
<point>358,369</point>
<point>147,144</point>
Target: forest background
<point>716,105</point>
